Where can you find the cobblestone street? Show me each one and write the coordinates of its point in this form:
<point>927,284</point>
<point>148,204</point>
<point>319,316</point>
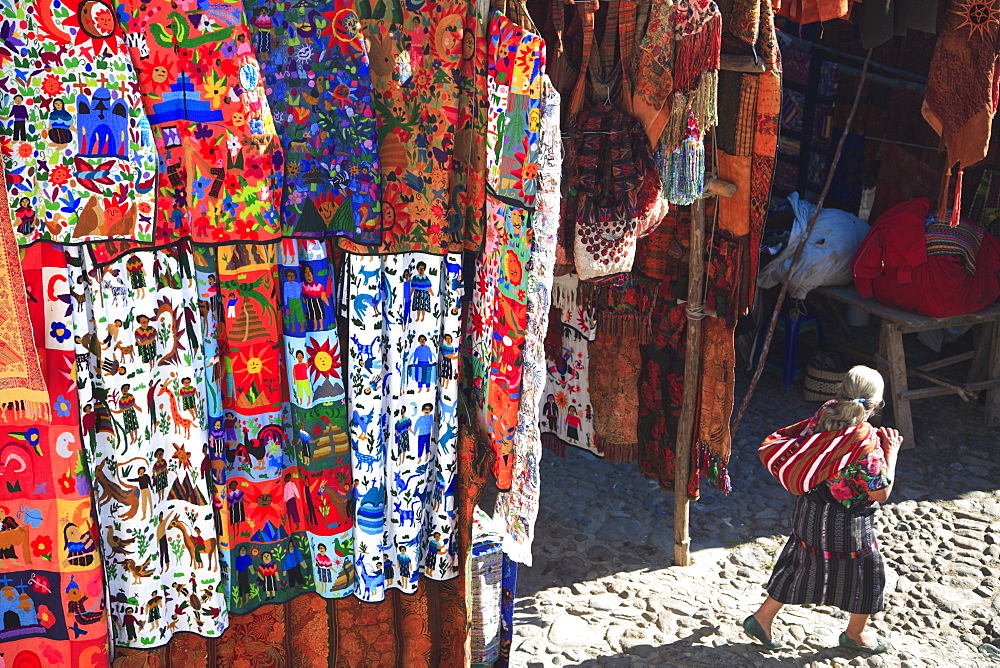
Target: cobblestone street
<point>602,590</point>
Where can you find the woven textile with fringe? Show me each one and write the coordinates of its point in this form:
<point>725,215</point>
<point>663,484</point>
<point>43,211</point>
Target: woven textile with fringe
<point>23,395</point>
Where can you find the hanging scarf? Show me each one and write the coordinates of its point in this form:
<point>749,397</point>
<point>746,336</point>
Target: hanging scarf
<point>23,396</point>
<point>800,458</point>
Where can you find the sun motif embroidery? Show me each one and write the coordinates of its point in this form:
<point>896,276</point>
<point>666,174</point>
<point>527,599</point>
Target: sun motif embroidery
<point>979,16</point>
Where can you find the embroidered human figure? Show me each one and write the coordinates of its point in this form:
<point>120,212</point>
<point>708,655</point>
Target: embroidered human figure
<point>293,565</point>
<point>136,275</point>
<point>407,296</point>
<point>80,546</point>
<point>573,423</point>
<point>25,216</point>
<point>551,412</point>
<point>292,292</point>
<point>145,341</point>
<point>189,397</point>
<point>127,406</point>
<point>422,293</point>
<point>129,622</point>
<point>292,495</point>
<point>403,428</point>
<point>423,427</point>
<point>235,498</point>
<point>449,361</point>
<point>231,303</point>
<point>244,567</point>
<point>324,566</point>
<point>268,574</point>
<point>77,605</point>
<point>315,298</point>
<point>435,547</point>
<point>145,494</point>
<point>153,613</point>
<point>424,365</point>
<point>300,374</point>
<point>19,114</point>
<point>218,437</point>
<point>404,562</point>
<point>60,122</point>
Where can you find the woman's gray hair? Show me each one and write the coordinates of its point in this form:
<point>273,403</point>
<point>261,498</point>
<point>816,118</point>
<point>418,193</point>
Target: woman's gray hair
<point>859,395</point>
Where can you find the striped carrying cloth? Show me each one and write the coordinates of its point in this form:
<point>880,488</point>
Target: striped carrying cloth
<point>963,240</point>
<point>801,458</point>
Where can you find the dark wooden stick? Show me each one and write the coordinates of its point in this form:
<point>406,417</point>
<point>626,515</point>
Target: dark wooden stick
<point>692,370</point>
<point>798,250</point>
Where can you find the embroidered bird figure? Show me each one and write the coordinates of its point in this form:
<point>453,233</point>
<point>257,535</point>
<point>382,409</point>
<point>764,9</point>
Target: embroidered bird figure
<point>118,545</point>
<point>138,572</point>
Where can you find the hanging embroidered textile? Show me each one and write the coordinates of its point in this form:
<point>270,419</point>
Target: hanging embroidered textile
<point>315,68</point>
<point>416,61</point>
<point>961,96</point>
<point>221,163</point>
<point>23,394</point>
<point>317,411</point>
<point>80,159</point>
<point>499,302</point>
<point>516,510</point>
<point>567,413</point>
<point>282,473</point>
<point>405,321</point>
<point>140,373</point>
<point>51,582</point>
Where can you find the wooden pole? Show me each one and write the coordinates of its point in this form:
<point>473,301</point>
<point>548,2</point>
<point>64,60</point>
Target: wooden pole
<point>692,370</point>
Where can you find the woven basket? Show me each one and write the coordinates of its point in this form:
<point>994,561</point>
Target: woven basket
<point>819,384</point>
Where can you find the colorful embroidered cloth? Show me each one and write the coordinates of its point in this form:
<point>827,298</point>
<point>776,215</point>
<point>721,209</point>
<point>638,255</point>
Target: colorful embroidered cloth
<point>800,458</point>
<point>517,509</point>
<point>416,59</point>
<point>486,572</point>
<point>80,159</point>
<point>405,321</point>
<point>869,473</point>
<point>278,441</point>
<point>567,413</point>
<point>23,395</point>
<point>220,161</point>
<point>315,68</point>
<point>963,240</point>
<point>51,582</point>
<point>499,301</point>
<point>140,372</point>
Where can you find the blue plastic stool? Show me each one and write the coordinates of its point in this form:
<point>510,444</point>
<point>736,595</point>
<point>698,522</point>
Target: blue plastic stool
<point>793,322</point>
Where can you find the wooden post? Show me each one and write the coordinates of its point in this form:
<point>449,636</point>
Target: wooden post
<point>692,371</point>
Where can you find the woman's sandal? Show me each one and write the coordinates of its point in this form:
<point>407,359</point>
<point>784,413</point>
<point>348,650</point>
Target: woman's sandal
<point>879,648</point>
<point>753,628</point>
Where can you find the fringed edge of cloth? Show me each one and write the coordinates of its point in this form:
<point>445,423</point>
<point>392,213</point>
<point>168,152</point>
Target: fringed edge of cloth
<point>19,411</point>
<point>554,444</point>
<point>715,468</point>
<point>636,326</point>
<point>565,292</point>
<point>617,453</point>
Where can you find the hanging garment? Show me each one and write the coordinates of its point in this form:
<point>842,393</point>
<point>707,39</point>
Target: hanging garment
<point>517,509</point>
<point>499,310</point>
<point>405,321</point>
<point>278,441</point>
<point>315,68</point>
<point>220,161</point>
<point>51,581</point>
<point>962,84</point>
<point>567,413</point>
<point>416,60</point>
<point>140,374</point>
<point>80,158</point>
<point>23,395</point>
<point>813,11</point>
<point>486,573</point>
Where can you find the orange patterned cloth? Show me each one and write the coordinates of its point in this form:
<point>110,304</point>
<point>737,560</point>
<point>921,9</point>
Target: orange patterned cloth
<point>23,395</point>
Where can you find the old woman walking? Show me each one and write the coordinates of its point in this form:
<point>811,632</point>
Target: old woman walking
<point>841,468</point>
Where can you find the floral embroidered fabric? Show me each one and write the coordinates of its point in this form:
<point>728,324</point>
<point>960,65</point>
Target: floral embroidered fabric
<point>867,474</point>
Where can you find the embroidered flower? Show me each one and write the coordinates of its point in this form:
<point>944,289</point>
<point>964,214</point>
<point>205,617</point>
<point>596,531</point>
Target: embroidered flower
<point>874,464</point>
<point>67,483</point>
<point>62,406</point>
<point>45,616</point>
<point>59,332</point>
<point>841,490</point>
<point>33,436</point>
<point>42,547</point>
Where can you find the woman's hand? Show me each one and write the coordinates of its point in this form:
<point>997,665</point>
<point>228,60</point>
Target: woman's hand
<point>890,441</point>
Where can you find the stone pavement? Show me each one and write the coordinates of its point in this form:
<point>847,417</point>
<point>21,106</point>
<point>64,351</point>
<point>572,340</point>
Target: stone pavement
<point>602,591</point>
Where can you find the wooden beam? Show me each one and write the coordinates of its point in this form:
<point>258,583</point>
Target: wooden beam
<point>716,186</point>
<point>692,374</point>
<point>735,63</point>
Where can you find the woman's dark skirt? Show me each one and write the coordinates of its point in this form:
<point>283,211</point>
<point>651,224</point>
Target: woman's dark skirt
<point>830,559</point>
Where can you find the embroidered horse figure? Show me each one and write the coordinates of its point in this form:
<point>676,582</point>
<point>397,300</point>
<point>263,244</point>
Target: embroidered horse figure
<point>192,545</point>
<point>372,581</point>
<point>407,516</point>
<point>180,422</point>
<point>367,275</point>
<point>364,350</point>
<point>126,351</point>
<point>126,495</point>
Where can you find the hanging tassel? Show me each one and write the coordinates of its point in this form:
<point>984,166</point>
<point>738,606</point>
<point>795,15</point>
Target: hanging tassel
<point>695,54</point>
<point>683,173</point>
<point>956,208</point>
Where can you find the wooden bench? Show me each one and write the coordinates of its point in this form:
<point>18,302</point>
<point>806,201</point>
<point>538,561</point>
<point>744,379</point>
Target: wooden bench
<point>891,357</point>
